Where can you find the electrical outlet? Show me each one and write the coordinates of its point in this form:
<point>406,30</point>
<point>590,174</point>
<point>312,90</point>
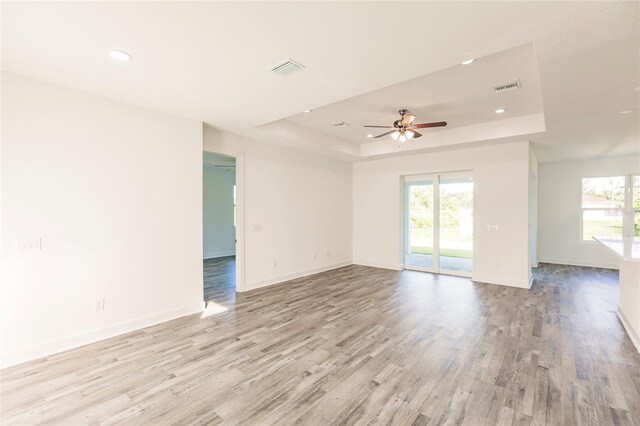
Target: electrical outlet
<point>99,306</point>
<point>29,244</point>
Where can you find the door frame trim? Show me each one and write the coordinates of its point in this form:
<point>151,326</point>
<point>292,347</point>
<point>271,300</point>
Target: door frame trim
<point>240,213</point>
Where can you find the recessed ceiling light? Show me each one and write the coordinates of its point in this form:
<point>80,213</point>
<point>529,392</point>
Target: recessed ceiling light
<point>500,110</point>
<point>369,135</point>
<point>627,111</point>
<point>119,55</point>
<point>468,61</point>
<point>307,110</point>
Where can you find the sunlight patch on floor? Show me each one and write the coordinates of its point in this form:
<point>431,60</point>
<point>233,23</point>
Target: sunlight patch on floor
<point>212,309</point>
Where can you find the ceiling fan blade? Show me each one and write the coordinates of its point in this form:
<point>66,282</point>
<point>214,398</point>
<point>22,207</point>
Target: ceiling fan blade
<point>425,125</point>
<point>384,134</point>
<point>381,127</point>
<point>416,134</point>
<point>407,119</point>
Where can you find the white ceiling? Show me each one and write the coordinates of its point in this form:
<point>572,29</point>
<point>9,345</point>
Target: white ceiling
<point>209,60</point>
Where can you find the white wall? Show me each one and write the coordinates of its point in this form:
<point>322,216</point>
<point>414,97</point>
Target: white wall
<point>115,193</point>
<point>219,232</point>
<point>560,214</point>
<point>296,206</point>
<point>501,182</point>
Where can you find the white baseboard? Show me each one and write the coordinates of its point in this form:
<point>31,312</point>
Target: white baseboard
<point>282,278</point>
<point>395,267</point>
<point>635,339</point>
<point>573,262</point>
<point>71,342</point>
<point>213,255</point>
<point>506,281</point>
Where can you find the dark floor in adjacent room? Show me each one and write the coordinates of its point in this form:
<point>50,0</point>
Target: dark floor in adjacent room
<point>356,345</point>
<point>220,279</point>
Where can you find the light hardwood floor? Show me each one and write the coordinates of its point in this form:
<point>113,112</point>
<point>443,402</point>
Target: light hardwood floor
<point>357,345</point>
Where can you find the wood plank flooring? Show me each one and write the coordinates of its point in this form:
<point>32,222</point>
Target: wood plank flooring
<point>220,279</point>
<point>356,345</point>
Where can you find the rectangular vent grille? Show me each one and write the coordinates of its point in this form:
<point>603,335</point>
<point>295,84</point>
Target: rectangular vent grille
<point>505,87</point>
<point>287,67</point>
<point>340,124</point>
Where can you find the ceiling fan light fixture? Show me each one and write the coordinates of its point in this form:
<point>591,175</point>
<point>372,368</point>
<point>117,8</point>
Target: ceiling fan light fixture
<point>404,129</point>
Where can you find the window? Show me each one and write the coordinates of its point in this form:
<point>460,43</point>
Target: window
<point>610,207</point>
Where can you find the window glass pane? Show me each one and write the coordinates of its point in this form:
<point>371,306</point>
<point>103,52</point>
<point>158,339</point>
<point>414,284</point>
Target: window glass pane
<point>456,224</point>
<point>603,192</point>
<point>601,223</point>
<point>421,209</point>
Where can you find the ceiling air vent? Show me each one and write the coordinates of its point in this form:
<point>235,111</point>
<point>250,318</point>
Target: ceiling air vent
<point>505,87</point>
<point>340,124</point>
<point>287,67</point>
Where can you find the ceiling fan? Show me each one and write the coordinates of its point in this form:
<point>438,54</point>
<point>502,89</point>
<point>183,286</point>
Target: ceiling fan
<point>404,129</point>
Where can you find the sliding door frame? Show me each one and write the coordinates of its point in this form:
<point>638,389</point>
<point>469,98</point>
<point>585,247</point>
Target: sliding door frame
<point>434,179</point>
<point>446,176</point>
<point>409,181</point>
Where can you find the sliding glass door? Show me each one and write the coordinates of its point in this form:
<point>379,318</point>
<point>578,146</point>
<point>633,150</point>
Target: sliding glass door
<point>456,223</point>
<point>439,223</point>
<point>420,209</point>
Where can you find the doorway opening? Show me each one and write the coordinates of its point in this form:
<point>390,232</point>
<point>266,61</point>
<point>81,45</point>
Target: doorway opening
<point>439,223</point>
<point>219,240</point>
